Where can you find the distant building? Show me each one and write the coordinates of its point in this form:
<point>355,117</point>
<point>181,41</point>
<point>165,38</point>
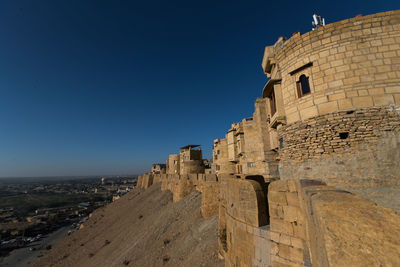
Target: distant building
<point>191,160</point>
<point>158,168</point>
<point>173,164</point>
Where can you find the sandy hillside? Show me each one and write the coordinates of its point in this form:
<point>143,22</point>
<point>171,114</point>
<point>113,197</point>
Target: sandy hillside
<point>143,228</point>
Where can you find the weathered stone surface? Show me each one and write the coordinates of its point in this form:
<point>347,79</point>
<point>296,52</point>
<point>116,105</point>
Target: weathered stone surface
<point>243,237</point>
<point>356,231</point>
<point>369,170</point>
<point>344,131</point>
<point>209,199</point>
<point>183,187</point>
<point>147,180</point>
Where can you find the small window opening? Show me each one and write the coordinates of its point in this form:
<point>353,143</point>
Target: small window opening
<point>239,168</point>
<point>344,135</point>
<point>251,164</point>
<point>222,238</point>
<point>272,103</point>
<point>303,86</point>
<point>281,145</point>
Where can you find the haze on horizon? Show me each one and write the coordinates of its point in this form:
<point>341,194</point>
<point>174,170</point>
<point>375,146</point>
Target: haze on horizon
<point>110,87</point>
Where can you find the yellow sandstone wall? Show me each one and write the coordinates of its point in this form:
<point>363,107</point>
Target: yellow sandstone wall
<point>355,64</point>
<point>221,158</point>
<point>183,185</point>
<point>173,164</point>
<point>296,223</point>
<point>209,195</point>
<point>347,130</point>
<point>345,133</point>
<point>249,147</point>
<point>139,181</point>
<point>352,231</point>
<point>311,224</point>
<point>288,228</point>
<point>147,180</point>
<point>243,237</point>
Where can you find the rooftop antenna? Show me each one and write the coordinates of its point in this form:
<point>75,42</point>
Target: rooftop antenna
<point>317,21</point>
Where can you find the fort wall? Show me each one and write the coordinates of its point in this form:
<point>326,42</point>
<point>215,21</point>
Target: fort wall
<point>173,164</point>
<point>183,185</point>
<point>249,147</point>
<point>354,63</point>
<point>191,160</point>
<point>356,150</point>
<point>330,119</point>
<point>289,243</point>
<point>294,223</point>
<point>346,130</point>
<point>314,225</point>
<point>335,238</point>
<point>221,161</point>
<point>243,239</point>
<point>209,197</point>
<point>192,166</point>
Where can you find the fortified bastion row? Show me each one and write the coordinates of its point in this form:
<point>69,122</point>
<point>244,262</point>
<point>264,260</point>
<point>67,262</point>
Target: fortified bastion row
<point>313,177</point>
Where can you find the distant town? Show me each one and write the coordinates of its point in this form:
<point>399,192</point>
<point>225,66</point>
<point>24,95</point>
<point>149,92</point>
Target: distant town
<point>31,208</point>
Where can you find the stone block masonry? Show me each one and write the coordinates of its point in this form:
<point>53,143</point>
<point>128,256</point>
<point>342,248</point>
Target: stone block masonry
<point>294,223</point>
<point>183,185</point>
<point>288,228</point>
<point>337,132</point>
<point>356,150</point>
<point>317,225</point>
<point>353,63</point>
<point>293,184</point>
<point>209,198</point>
<point>243,221</point>
<point>346,230</point>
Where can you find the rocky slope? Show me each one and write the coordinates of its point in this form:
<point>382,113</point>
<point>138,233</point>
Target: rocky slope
<point>143,228</point>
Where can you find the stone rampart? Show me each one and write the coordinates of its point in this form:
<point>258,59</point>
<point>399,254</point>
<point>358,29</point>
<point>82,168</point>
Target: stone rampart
<point>157,178</point>
<point>332,111</point>
<point>353,63</point>
<point>209,198</point>
<point>243,237</point>
<point>288,229</point>
<point>309,224</point>
<point>356,150</point>
<point>192,167</point>
<point>139,181</point>
<point>297,223</point>
<point>337,132</point>
<point>346,130</point>
<point>147,180</point>
<point>182,187</point>
<point>347,230</point>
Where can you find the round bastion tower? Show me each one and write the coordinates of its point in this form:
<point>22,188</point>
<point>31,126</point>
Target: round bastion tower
<point>334,101</point>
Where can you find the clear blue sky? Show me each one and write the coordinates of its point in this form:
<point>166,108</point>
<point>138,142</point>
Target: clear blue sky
<point>109,87</point>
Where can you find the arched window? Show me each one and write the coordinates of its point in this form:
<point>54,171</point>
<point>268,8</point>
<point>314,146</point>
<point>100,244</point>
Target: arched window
<point>303,86</point>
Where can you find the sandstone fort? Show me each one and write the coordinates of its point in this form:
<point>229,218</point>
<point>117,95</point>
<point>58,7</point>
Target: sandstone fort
<point>313,177</point>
